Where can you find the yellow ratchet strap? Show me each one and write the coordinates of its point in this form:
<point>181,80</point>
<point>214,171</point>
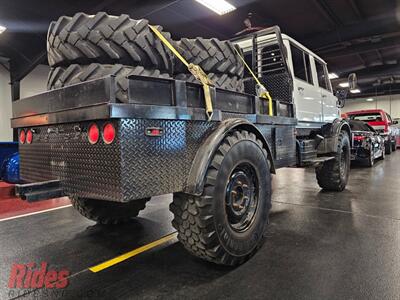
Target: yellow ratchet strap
<point>196,70</point>
<point>264,94</point>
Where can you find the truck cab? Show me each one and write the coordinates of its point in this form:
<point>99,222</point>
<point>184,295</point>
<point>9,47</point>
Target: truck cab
<point>312,90</point>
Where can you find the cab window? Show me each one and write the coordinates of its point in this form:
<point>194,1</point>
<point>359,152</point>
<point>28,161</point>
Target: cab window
<point>301,64</point>
<point>298,63</point>
<point>322,75</point>
<point>308,68</point>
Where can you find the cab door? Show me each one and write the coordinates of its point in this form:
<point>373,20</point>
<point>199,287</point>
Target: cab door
<point>305,94</point>
<point>329,110</point>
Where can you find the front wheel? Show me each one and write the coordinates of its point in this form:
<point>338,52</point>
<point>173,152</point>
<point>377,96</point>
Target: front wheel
<point>226,224</point>
<point>333,174</point>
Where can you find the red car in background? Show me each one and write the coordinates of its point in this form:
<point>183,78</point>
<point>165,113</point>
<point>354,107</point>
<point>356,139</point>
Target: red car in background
<point>382,123</point>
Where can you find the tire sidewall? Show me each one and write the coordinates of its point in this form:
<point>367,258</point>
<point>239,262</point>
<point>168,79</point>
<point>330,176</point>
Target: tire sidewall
<point>242,243</point>
<point>345,142</point>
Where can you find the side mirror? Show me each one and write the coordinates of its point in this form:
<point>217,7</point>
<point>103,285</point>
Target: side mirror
<point>395,122</point>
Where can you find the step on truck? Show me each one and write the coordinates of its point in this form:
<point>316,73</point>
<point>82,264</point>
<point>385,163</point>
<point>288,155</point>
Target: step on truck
<point>216,157</point>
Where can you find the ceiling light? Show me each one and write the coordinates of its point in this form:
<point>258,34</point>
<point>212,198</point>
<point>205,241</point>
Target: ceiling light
<point>355,91</point>
<point>369,99</point>
<point>344,84</point>
<point>2,29</point>
<point>332,76</point>
<point>220,7</point>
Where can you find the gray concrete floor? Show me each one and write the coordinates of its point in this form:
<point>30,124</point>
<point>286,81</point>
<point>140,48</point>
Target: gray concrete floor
<point>319,246</point>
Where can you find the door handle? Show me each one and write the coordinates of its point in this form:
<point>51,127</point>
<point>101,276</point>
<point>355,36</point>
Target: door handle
<point>300,89</point>
<point>323,96</point>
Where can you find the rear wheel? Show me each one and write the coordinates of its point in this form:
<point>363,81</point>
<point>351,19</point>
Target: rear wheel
<point>393,146</point>
<point>333,174</point>
<point>108,212</point>
<point>388,148</point>
<point>226,224</point>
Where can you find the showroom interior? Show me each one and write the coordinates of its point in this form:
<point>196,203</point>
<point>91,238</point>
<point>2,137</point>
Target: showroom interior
<point>194,149</point>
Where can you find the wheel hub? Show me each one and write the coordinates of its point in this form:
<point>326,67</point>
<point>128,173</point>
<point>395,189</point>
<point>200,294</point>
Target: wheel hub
<point>241,197</point>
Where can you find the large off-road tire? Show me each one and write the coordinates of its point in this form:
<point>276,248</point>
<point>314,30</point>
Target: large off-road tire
<point>212,55</point>
<point>106,39</point>
<point>226,224</point>
<point>223,81</point>
<point>60,76</point>
<point>108,212</point>
<point>333,174</point>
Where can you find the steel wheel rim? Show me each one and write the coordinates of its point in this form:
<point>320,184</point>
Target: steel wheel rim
<point>241,200</point>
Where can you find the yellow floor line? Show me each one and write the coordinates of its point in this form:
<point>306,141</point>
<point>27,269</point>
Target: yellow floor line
<point>130,254</point>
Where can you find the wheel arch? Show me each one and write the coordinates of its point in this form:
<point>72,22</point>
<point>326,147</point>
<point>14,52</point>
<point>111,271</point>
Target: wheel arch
<point>205,153</point>
<point>330,132</point>
<point>344,126</point>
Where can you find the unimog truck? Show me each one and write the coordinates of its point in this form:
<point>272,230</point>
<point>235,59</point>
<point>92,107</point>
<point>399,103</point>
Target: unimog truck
<point>111,143</point>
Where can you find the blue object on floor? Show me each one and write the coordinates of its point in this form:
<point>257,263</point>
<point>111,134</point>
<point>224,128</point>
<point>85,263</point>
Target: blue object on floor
<point>9,169</point>
<point>6,149</point>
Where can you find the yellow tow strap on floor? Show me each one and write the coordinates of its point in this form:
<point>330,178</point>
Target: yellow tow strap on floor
<point>264,92</point>
<point>196,70</point>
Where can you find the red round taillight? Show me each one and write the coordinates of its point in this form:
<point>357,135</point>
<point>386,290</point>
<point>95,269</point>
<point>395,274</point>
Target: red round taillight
<point>108,133</point>
<point>22,136</point>
<point>29,136</point>
<point>93,134</point>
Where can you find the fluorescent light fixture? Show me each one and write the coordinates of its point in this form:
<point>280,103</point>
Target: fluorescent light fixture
<point>220,7</point>
<point>369,99</point>
<point>332,76</point>
<point>2,29</point>
<point>344,84</point>
<point>355,91</point>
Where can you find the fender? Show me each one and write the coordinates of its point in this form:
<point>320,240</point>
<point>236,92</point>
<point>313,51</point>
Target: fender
<point>330,132</point>
<point>204,155</point>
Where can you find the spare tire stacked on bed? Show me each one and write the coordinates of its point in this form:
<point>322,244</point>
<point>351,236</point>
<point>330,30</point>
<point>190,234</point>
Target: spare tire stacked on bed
<point>217,58</point>
<point>86,47</point>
